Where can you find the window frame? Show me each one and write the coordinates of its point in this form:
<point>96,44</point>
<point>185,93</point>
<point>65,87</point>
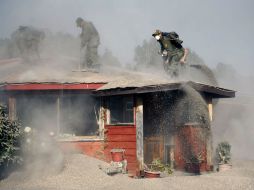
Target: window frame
<point>108,113</point>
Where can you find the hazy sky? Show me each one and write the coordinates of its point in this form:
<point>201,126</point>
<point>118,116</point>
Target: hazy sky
<point>218,30</point>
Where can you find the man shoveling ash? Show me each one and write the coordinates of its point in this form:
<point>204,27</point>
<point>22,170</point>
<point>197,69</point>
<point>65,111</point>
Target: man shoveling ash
<point>90,41</point>
<point>172,51</point>
<point>28,40</point>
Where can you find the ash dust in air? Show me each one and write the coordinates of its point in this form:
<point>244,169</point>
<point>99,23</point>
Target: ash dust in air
<point>60,51</point>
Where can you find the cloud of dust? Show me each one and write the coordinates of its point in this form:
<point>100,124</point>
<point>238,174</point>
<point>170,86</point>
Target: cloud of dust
<point>233,119</point>
<point>50,119</point>
<point>60,52</point>
<point>191,108</point>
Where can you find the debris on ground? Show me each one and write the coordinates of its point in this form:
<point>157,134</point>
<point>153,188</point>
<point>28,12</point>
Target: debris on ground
<point>81,172</point>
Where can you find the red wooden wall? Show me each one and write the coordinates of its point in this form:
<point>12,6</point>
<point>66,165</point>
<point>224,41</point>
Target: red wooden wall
<point>122,137</point>
<point>189,141</point>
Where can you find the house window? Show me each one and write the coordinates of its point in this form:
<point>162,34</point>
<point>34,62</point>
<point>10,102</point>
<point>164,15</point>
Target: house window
<point>121,109</point>
<point>37,112</point>
<point>70,115</point>
<point>78,116</point>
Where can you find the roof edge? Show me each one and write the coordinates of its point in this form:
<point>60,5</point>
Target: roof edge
<point>50,86</point>
<point>216,92</point>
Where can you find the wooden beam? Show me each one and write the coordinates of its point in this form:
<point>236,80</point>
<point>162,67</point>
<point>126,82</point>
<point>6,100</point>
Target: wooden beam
<point>58,112</point>
<point>101,119</point>
<point>210,110</point>
<point>12,108</point>
<point>209,148</point>
<point>139,133</point>
<point>209,102</point>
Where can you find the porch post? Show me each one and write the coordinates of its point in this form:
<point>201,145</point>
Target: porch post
<point>12,108</point>
<point>101,118</point>
<point>139,133</point>
<point>210,108</point>
<point>58,104</point>
<point>209,138</point>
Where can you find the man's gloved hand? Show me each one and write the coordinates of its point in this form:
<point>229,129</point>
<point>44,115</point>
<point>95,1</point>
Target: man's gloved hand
<point>164,53</point>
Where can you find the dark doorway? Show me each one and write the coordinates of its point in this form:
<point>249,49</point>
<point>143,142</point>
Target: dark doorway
<point>159,127</point>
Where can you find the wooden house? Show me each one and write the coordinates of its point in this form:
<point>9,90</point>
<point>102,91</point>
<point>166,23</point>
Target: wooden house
<point>149,117</point>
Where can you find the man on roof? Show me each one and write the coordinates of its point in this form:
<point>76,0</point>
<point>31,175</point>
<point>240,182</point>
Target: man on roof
<point>172,50</point>
<point>28,40</point>
<point>90,41</point>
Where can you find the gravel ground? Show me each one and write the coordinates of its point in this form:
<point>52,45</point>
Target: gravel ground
<point>81,172</point>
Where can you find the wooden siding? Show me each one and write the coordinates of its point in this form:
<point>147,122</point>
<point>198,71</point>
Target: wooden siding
<point>122,137</point>
<point>190,142</point>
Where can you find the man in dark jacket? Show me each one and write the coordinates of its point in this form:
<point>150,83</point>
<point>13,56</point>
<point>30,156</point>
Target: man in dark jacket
<point>28,40</point>
<point>90,41</point>
<point>171,49</point>
<point>170,42</point>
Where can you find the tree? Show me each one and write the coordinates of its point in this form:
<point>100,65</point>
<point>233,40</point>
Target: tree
<point>109,59</point>
<point>199,70</point>
<point>224,70</point>
<point>194,59</point>
<point>146,55</point>
<point>8,49</point>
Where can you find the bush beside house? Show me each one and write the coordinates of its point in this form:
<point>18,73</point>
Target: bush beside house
<point>10,134</point>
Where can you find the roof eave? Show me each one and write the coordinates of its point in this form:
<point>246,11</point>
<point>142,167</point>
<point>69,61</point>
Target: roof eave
<point>215,92</point>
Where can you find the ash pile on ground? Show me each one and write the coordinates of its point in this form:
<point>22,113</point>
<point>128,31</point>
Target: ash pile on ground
<point>82,172</point>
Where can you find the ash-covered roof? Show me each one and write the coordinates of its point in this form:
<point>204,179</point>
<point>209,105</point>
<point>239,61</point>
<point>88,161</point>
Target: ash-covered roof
<point>46,71</point>
<point>115,80</point>
<point>15,71</point>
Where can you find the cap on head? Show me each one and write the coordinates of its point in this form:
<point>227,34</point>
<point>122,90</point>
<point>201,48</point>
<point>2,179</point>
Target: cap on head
<point>157,32</point>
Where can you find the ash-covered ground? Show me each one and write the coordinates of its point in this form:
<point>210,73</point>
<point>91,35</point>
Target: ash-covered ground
<point>82,172</point>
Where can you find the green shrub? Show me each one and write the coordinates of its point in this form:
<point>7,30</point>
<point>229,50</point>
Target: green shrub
<point>223,154</point>
<point>9,140</point>
<point>158,166</point>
